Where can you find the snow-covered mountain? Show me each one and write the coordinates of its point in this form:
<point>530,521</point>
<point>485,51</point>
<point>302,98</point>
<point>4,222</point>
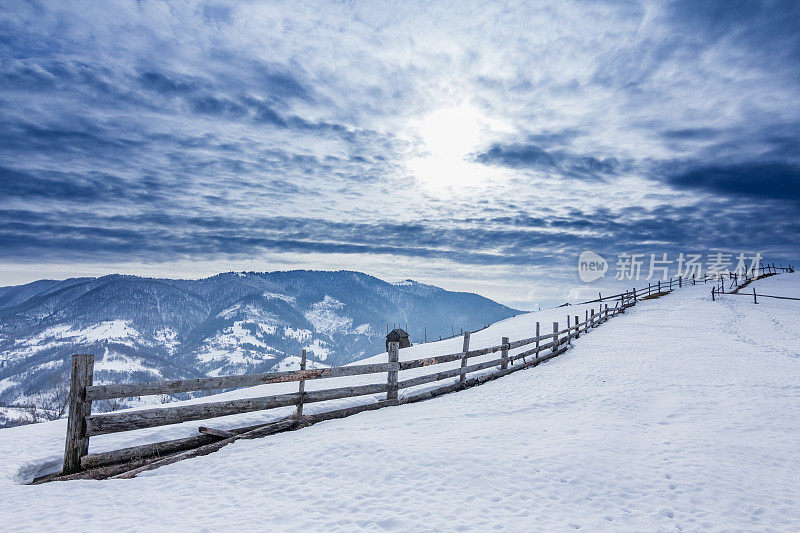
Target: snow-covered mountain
<point>144,329</point>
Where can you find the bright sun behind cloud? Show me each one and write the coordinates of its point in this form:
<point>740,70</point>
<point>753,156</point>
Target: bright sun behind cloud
<point>449,136</point>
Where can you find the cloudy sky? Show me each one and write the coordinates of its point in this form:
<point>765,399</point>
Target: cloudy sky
<point>476,145</point>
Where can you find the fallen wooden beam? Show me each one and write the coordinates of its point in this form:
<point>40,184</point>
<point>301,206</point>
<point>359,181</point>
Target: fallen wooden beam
<point>258,432</point>
<point>263,431</point>
<point>215,432</point>
<point>157,449</point>
<point>109,464</point>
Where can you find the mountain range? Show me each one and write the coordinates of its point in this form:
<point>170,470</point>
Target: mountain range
<point>144,329</point>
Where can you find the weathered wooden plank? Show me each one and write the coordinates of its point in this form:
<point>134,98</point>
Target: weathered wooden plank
<point>429,361</point>
<point>126,421</point>
<point>392,375</point>
<point>555,336</point>
<point>451,373</point>
<point>426,395</point>
<point>103,472</point>
<point>465,350</point>
<point>215,432</point>
<point>163,448</point>
<point>127,390</point>
<point>484,351</point>
<point>209,448</point>
<point>133,453</point>
<point>107,464</point>
<point>77,439</point>
<point>345,412</point>
<point>569,330</point>
<point>302,386</point>
<point>518,344</point>
<point>532,351</point>
<point>429,378</point>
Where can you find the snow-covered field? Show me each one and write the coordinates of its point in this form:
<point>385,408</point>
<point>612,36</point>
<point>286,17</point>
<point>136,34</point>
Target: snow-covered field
<point>680,414</point>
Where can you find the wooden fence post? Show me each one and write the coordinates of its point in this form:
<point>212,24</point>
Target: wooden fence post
<point>755,300</point>
<point>465,349</point>
<point>394,367</point>
<point>577,327</point>
<point>591,317</point>
<point>504,353</point>
<point>555,336</point>
<point>680,282</point>
<point>712,294</point>
<point>77,443</point>
<point>302,387</point>
<point>569,331</point>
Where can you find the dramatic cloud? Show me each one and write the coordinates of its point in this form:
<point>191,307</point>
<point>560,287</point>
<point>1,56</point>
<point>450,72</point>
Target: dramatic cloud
<point>530,156</point>
<point>456,142</point>
<point>779,181</point>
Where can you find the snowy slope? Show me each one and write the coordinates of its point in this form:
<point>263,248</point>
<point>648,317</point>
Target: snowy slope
<point>681,414</point>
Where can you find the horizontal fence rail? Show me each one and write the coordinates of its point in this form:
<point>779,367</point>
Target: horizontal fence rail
<point>82,424</point>
<point>130,390</point>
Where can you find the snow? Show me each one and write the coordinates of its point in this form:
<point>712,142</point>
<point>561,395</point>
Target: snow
<point>319,349</point>
<point>363,329</point>
<point>250,311</point>
<point>293,363</point>
<point>117,362</point>
<point>680,414</point>
<point>116,331</point>
<point>324,318</point>
<point>6,383</point>
<point>167,337</point>
<point>13,414</point>
<point>228,346</point>
<point>277,296</point>
<point>298,334</point>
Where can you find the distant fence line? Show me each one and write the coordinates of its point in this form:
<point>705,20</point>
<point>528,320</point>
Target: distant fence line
<point>740,282</point>
<point>127,462</point>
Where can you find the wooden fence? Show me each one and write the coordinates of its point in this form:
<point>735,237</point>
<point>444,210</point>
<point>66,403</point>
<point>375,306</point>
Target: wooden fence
<point>662,286</point>
<point>82,424</point>
<point>740,282</point>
